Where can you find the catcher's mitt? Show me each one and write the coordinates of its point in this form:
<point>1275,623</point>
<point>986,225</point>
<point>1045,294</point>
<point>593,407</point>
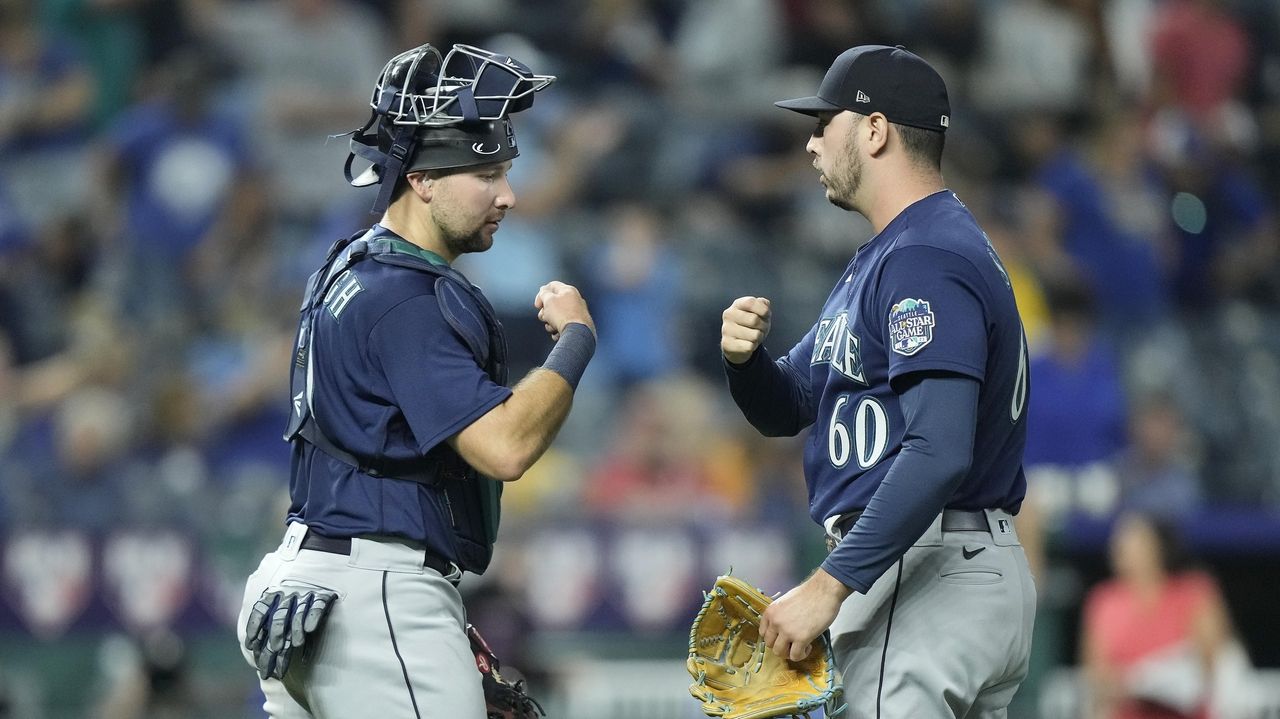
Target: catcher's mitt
<point>504,700</point>
<point>735,676</point>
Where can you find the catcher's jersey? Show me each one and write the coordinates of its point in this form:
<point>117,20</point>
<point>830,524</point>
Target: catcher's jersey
<point>928,293</point>
<point>390,379</point>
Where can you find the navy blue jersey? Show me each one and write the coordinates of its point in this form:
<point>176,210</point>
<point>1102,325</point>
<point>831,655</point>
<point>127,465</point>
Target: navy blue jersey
<point>928,293</point>
<point>389,378</point>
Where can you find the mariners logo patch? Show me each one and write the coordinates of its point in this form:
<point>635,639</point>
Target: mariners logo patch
<point>910,326</point>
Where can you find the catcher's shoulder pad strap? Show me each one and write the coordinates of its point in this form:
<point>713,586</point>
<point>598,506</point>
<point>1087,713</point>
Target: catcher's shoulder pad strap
<point>461,304</point>
<point>464,317</point>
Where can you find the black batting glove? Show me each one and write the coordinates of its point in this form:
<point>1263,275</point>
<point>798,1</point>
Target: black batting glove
<point>280,622</point>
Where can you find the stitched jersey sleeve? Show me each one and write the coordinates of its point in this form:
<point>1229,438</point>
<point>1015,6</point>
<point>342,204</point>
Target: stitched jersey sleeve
<point>932,309</point>
<point>433,375</point>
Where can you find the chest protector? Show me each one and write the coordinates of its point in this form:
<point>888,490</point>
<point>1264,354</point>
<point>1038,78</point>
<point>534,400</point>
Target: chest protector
<point>466,502</point>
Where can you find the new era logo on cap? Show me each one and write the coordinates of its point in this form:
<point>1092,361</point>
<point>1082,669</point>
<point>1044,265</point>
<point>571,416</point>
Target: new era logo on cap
<point>878,78</point>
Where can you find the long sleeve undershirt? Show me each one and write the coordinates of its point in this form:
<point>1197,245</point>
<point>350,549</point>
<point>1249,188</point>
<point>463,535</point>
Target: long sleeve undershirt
<point>775,397</point>
<point>940,410</point>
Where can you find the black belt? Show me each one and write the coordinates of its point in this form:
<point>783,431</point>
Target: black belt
<point>342,545</point>
<point>953,520</point>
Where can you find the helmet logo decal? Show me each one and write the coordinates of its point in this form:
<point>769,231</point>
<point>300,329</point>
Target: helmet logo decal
<point>478,148</point>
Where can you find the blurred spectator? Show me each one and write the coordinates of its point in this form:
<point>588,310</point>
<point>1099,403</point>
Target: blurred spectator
<point>175,169</point>
<point>635,282</point>
<point>13,232</point>
<point>1225,228</point>
<point>819,30</point>
<point>658,465</point>
<point>1109,211</point>
<point>1035,55</point>
<point>619,43</point>
<point>1076,418</point>
<point>84,484</point>
<point>1200,57</point>
<point>1076,413</point>
<point>726,75</point>
<point>1157,638</point>
<point>1157,471</point>
<point>121,42</point>
<point>8,418</point>
<point>308,67</point>
<point>46,280</point>
<point>46,99</point>
<point>952,31</point>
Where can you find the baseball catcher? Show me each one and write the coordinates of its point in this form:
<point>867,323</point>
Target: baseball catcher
<point>403,429</point>
<point>735,676</point>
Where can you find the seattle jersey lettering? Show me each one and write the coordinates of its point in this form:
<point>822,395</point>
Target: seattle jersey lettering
<point>836,344</point>
<point>346,287</point>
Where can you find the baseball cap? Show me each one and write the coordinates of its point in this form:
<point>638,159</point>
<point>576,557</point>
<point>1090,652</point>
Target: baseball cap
<point>880,78</point>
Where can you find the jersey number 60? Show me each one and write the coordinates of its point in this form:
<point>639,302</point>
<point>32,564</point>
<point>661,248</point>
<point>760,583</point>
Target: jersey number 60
<point>870,433</point>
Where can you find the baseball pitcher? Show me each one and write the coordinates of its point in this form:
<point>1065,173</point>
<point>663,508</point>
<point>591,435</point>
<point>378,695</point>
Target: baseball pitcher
<point>914,385</point>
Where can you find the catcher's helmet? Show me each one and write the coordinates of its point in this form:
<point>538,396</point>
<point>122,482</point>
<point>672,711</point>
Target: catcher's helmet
<point>435,113</point>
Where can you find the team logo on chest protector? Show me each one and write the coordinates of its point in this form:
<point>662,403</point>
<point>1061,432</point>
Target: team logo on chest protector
<point>835,343</point>
<point>910,326</point>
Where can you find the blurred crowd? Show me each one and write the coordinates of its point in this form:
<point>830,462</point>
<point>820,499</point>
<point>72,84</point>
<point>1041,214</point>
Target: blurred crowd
<point>171,172</point>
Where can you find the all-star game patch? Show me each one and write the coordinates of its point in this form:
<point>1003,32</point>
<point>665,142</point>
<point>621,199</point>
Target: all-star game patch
<point>910,326</point>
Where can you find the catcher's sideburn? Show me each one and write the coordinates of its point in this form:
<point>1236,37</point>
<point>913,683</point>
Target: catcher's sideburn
<point>393,618</point>
<point>977,661</point>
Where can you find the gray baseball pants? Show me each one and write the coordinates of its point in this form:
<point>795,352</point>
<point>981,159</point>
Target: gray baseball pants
<point>394,644</point>
<point>945,633</point>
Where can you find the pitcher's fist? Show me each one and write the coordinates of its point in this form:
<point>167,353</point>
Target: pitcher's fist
<point>744,327</point>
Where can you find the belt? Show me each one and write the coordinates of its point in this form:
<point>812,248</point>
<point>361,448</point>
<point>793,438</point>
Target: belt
<point>342,545</point>
<point>953,520</point>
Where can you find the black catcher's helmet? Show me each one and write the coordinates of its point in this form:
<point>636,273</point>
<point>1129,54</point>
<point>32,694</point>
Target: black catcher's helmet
<point>435,113</point>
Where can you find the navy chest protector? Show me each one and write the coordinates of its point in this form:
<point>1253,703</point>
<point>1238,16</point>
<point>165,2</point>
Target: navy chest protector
<point>466,501</point>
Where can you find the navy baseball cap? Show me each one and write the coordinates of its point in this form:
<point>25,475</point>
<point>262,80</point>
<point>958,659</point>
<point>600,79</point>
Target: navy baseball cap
<point>879,78</point>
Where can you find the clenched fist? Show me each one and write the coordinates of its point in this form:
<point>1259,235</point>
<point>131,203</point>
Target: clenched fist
<point>559,304</point>
<point>745,325</point>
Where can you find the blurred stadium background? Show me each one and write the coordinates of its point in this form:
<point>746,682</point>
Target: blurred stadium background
<point>167,183</point>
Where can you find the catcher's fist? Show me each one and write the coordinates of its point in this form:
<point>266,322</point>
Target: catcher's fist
<point>559,304</point>
<point>744,327</point>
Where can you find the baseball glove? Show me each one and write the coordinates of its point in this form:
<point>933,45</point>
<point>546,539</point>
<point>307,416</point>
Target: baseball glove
<point>735,676</point>
<point>504,700</point>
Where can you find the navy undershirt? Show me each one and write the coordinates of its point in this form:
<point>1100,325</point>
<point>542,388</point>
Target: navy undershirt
<point>940,409</point>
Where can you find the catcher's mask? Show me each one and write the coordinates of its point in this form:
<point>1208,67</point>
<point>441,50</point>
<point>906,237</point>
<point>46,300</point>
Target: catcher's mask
<point>439,113</point>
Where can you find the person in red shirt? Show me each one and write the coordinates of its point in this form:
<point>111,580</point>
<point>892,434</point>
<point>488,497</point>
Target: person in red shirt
<point>1200,56</point>
<point>1153,631</point>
